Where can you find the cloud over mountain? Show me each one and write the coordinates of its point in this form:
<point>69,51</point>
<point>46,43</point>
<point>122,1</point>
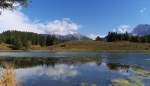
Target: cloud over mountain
<point>16,20</point>
<point>122,29</point>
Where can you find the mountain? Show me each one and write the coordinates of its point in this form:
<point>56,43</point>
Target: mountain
<point>141,30</point>
<point>75,36</point>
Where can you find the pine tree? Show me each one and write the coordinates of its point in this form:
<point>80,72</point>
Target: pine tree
<point>98,38</point>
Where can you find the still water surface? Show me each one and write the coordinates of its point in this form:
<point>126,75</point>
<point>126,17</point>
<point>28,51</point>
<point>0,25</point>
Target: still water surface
<point>66,74</point>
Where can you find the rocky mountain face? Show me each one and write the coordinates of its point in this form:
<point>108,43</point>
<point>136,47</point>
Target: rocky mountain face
<point>141,30</point>
<point>75,36</point>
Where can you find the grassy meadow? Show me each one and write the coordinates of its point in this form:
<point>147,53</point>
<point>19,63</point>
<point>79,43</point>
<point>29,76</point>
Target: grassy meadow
<point>101,46</point>
<point>88,45</point>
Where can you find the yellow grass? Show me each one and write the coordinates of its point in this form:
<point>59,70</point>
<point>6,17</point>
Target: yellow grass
<point>89,45</point>
<point>5,46</point>
<point>101,46</point>
<point>38,47</point>
<point>126,83</point>
<point>8,77</point>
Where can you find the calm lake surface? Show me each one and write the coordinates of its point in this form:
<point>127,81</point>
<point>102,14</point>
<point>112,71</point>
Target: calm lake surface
<point>123,66</point>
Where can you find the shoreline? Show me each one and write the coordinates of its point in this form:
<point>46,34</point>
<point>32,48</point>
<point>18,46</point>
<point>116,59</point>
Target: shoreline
<point>86,46</point>
<point>100,51</point>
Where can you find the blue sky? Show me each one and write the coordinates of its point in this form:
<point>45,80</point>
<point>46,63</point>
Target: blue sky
<point>89,17</point>
<point>94,16</point>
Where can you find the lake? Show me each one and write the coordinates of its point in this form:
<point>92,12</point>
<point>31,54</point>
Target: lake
<point>133,67</point>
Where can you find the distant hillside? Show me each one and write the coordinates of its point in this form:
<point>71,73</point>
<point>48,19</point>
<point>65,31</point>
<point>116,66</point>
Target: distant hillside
<point>90,45</point>
<point>23,40</point>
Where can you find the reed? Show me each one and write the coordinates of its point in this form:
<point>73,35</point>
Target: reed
<point>8,77</point>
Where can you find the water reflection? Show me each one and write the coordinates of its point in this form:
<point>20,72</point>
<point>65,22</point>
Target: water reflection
<point>57,72</point>
<point>74,74</point>
<point>74,71</point>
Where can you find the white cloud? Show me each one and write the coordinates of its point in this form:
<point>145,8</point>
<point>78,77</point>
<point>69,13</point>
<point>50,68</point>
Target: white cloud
<point>93,36</point>
<point>143,10</point>
<point>61,27</point>
<point>16,20</point>
<point>123,29</point>
<point>57,72</point>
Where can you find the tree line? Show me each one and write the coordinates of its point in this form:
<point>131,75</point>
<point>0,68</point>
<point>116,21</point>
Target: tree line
<point>114,36</point>
<point>21,40</point>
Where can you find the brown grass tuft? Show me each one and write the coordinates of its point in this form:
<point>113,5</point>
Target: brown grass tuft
<point>8,77</point>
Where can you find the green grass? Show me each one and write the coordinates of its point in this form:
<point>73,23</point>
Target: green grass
<point>101,46</point>
<point>141,71</point>
<point>121,82</point>
<point>86,84</point>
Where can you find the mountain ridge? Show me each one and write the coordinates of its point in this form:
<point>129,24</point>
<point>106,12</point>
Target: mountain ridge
<point>141,30</point>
